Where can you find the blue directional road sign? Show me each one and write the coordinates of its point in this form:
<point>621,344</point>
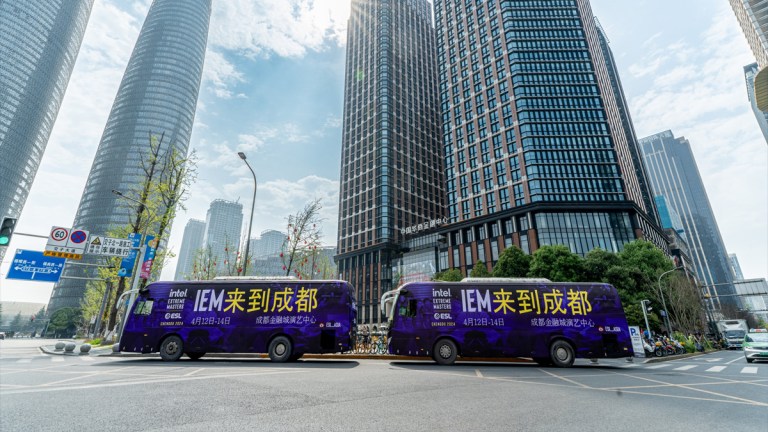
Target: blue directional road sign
<point>34,266</point>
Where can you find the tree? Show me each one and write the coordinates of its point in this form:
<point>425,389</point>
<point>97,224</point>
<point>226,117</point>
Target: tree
<point>303,236</point>
<point>233,261</point>
<point>64,322</point>
<point>556,263</point>
<point>167,174</point>
<point>480,270</point>
<point>513,262</point>
<point>204,265</point>
<point>15,325</point>
<point>596,264</point>
<point>450,275</point>
<point>684,303</point>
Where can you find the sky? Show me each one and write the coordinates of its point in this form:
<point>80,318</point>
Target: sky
<point>273,86</point>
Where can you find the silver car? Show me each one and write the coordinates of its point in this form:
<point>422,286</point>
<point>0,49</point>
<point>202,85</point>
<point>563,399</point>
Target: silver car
<point>756,345</point>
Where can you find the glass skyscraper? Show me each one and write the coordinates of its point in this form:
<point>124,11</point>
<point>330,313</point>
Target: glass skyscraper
<point>39,42</point>
<point>391,165</point>
<point>191,242</point>
<point>750,72</point>
<point>157,97</point>
<point>223,226</point>
<point>753,18</point>
<point>538,141</point>
<point>674,174</point>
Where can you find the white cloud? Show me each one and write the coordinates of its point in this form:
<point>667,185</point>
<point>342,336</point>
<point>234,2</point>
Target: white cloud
<point>283,27</point>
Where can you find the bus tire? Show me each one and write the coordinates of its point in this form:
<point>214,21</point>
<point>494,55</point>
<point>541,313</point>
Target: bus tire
<point>171,348</point>
<point>195,355</point>
<point>280,349</point>
<point>445,352</point>
<point>562,353</point>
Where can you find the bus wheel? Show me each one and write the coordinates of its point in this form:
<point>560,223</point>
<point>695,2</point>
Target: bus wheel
<point>561,353</point>
<point>195,355</point>
<point>280,349</point>
<point>171,348</point>
<point>445,352</point>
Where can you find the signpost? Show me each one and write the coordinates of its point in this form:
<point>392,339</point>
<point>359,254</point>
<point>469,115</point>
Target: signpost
<point>35,266</point>
<point>108,246</point>
<point>126,265</point>
<point>637,341</point>
<point>66,243</point>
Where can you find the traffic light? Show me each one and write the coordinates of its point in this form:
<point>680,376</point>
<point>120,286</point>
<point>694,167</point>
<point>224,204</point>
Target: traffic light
<point>647,305</point>
<point>6,230</point>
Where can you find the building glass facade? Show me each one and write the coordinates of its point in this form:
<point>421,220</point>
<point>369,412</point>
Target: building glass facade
<point>191,243</point>
<point>753,18</point>
<point>223,227</point>
<point>538,142</point>
<point>39,43</point>
<point>157,97</point>
<point>391,165</point>
<point>750,71</point>
<point>674,174</point>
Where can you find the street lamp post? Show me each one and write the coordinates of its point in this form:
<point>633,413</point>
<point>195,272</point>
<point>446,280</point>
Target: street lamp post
<point>643,304</point>
<point>663,303</point>
<point>250,223</point>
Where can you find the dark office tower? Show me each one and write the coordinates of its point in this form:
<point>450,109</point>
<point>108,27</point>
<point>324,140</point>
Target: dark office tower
<point>750,72</point>
<point>673,173</point>
<point>537,151</point>
<point>39,42</point>
<point>157,96</point>
<point>191,243</point>
<point>391,160</point>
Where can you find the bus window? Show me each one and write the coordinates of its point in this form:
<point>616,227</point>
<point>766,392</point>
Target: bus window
<point>408,308</point>
<point>143,307</point>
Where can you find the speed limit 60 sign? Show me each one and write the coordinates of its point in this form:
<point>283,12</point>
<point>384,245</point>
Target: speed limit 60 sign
<point>66,243</point>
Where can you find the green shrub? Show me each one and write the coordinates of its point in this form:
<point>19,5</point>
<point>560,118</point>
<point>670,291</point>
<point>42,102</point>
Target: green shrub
<point>96,341</point>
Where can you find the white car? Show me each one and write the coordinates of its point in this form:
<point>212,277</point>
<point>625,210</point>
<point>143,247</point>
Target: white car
<point>756,345</point>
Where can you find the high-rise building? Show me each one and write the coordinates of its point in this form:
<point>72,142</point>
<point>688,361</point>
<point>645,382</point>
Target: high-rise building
<point>735,267</point>
<point>674,174</point>
<point>191,243</point>
<point>223,227</point>
<point>753,18</point>
<point>539,145</point>
<point>270,242</point>
<point>39,43</point>
<point>750,72</point>
<point>157,97</point>
<point>391,164</point>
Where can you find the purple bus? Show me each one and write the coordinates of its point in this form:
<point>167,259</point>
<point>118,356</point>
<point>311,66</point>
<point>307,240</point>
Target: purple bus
<point>553,323</point>
<point>285,318</point>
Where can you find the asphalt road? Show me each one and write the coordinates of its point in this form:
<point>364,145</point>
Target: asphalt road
<point>40,392</point>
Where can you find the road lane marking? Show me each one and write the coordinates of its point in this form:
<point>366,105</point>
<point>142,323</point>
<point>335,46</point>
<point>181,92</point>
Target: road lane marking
<point>714,360</point>
<point>57,359</point>
<point>684,368</point>
<point>152,381</point>
<point>566,379</point>
<point>688,387</point>
<point>24,361</point>
<point>194,372</point>
<point>658,366</point>
<point>749,370</point>
<point>87,359</point>
<point>478,373</point>
<point>734,360</point>
<point>715,368</point>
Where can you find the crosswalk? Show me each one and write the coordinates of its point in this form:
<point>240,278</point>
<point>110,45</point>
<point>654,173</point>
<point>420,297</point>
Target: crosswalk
<point>730,368</point>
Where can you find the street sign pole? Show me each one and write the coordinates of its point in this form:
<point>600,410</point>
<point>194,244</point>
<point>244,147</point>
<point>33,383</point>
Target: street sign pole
<point>107,290</point>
